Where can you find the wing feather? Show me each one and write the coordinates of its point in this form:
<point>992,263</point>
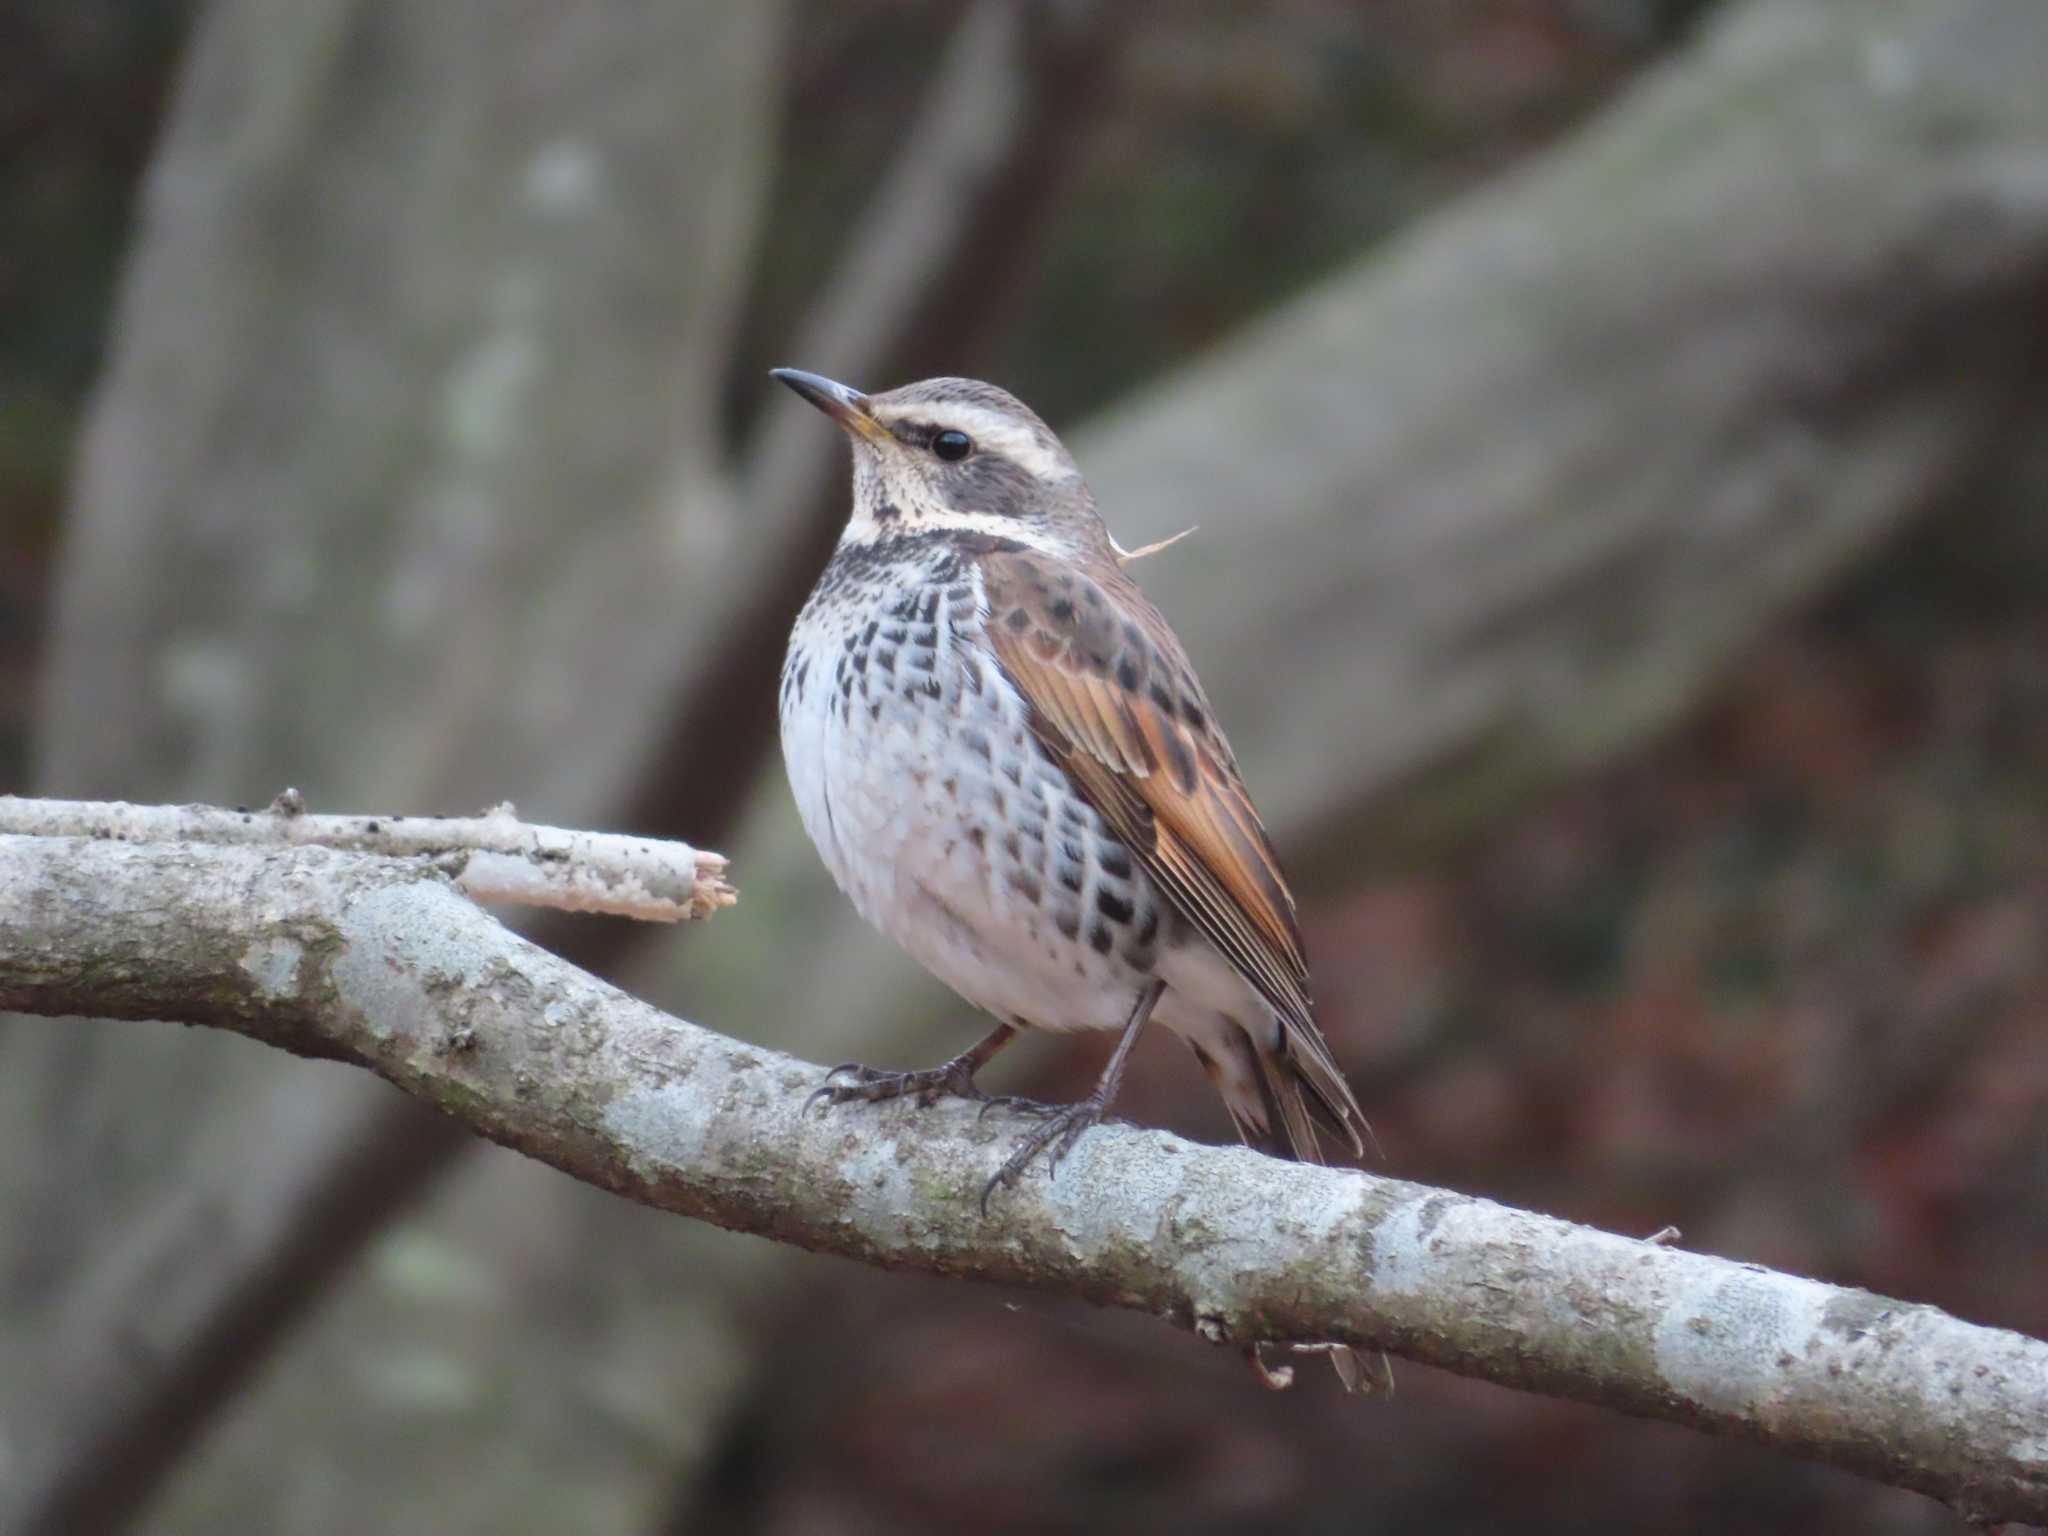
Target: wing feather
<point>1115,702</point>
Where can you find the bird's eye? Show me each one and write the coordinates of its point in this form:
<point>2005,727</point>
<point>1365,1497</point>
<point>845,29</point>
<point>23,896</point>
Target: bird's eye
<point>952,446</point>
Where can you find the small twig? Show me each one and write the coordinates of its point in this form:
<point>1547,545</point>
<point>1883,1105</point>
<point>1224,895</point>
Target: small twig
<point>494,857</point>
<point>1126,556</point>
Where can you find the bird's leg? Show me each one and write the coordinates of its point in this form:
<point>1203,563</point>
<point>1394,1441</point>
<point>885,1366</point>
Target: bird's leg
<point>1061,1128</point>
<point>871,1085</point>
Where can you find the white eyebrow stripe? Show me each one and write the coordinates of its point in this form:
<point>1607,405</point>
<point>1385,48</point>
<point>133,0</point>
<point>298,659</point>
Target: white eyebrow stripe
<point>1017,441</point>
<point>1006,435</point>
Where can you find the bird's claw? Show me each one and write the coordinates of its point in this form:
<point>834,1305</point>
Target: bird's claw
<point>1060,1126</point>
<point>871,1085</point>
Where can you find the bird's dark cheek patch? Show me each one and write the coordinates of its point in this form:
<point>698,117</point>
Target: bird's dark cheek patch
<point>989,482</point>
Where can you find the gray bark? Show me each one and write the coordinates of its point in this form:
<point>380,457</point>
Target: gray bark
<point>493,858</point>
<point>381,963</point>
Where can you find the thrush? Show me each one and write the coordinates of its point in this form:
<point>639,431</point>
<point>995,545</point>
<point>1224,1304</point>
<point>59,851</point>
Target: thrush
<point>1009,766</point>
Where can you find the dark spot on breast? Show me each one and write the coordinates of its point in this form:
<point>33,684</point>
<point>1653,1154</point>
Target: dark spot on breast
<point>1116,908</point>
<point>1100,939</point>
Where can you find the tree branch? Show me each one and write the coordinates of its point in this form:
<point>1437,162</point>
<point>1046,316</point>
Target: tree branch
<point>494,857</point>
<point>380,962</point>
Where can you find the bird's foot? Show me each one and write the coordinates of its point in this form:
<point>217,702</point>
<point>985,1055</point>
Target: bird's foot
<point>871,1085</point>
<point>1060,1126</point>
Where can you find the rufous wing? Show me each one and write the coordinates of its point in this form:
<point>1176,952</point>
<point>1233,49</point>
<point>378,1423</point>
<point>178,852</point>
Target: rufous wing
<point>1116,704</point>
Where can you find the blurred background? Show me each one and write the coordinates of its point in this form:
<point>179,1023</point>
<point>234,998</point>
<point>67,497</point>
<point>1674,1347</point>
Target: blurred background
<point>1618,432</point>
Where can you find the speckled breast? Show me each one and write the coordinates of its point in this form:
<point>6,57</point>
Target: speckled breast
<point>936,810</point>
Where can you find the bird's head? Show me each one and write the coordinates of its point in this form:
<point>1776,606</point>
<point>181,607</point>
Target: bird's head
<point>960,456</point>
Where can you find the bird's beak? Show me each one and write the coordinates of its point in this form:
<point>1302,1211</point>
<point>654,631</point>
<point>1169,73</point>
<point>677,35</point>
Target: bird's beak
<point>849,407</point>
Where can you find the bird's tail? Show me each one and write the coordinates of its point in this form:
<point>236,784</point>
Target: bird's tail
<point>1276,1098</point>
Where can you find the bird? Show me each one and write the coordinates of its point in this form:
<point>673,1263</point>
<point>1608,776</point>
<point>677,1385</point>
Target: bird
<point>1008,765</point>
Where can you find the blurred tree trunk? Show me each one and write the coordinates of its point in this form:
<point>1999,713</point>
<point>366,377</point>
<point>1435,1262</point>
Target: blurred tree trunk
<point>402,487</point>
